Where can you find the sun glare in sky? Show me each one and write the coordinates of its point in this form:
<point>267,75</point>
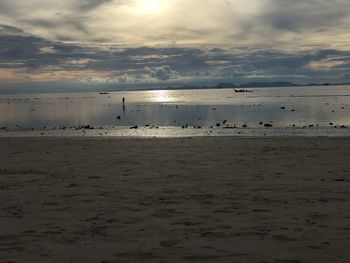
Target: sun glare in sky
<point>148,6</point>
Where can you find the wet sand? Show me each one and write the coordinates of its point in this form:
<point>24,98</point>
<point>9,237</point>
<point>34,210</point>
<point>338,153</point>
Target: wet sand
<point>175,200</point>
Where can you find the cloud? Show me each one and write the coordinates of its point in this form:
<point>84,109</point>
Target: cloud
<point>301,15</point>
<point>162,73</point>
<point>124,78</point>
<point>25,57</point>
<point>87,5</point>
<point>282,24</point>
<point>6,30</point>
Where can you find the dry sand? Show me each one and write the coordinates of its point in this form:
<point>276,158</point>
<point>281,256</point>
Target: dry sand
<point>175,200</point>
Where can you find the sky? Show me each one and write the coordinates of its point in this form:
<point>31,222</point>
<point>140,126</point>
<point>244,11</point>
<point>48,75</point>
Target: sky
<point>146,43</point>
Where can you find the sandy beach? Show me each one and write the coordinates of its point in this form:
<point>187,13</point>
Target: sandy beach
<point>218,199</point>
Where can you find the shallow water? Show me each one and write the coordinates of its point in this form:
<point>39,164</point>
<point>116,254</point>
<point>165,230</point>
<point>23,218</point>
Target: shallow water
<point>293,108</point>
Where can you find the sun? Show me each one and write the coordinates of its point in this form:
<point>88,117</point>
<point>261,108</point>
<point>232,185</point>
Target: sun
<point>148,6</point>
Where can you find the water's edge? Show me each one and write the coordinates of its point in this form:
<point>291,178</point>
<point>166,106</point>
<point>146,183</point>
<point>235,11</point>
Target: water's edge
<point>176,132</point>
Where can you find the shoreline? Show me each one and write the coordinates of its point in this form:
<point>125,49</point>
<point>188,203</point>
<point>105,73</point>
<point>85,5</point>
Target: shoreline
<point>178,132</point>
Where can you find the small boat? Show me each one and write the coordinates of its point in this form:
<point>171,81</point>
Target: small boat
<point>242,90</point>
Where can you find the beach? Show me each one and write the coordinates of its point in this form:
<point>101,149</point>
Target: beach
<point>203,199</point>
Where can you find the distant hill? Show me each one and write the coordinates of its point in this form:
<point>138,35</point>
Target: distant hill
<point>244,85</point>
<point>253,85</point>
<point>268,84</point>
<point>225,86</point>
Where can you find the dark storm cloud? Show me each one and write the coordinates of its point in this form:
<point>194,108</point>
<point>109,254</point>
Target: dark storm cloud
<point>9,30</point>
<point>300,67</point>
<point>30,52</point>
<point>25,51</point>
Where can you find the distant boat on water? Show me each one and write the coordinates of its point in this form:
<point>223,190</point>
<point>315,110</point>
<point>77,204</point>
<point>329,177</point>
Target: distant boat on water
<point>242,90</point>
<point>103,93</point>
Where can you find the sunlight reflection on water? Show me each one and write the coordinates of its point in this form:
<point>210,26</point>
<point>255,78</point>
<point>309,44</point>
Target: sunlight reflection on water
<point>161,96</point>
<point>304,107</point>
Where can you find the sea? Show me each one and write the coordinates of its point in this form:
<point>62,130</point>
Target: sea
<point>282,111</point>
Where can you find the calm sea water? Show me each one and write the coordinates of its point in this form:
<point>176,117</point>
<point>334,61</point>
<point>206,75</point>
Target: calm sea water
<point>312,109</point>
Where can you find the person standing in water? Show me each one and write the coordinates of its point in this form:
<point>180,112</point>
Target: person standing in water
<point>123,105</point>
